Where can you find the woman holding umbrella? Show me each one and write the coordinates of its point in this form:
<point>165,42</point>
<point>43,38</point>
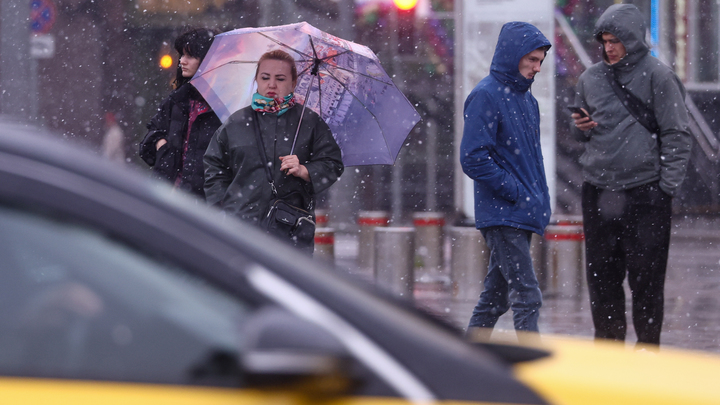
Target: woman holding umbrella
<point>184,124</point>
<point>303,161</point>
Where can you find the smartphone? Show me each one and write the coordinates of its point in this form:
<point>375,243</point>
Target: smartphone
<point>578,110</point>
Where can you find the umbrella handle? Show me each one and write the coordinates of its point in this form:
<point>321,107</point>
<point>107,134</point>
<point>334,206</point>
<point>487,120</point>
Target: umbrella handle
<point>302,113</point>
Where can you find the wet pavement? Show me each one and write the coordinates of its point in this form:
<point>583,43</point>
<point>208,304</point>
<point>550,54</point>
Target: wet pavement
<point>692,291</point>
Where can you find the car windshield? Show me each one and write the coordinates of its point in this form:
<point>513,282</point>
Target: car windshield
<point>76,301</point>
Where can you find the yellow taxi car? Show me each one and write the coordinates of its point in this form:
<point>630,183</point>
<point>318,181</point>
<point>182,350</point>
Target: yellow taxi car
<point>115,291</point>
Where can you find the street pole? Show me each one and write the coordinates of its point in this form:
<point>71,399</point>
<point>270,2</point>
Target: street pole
<point>431,166</point>
<point>16,96</point>
<point>461,183</point>
<point>343,196</point>
<point>396,183</point>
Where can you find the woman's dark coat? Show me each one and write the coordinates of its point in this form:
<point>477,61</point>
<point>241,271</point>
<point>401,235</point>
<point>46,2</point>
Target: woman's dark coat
<point>235,179</point>
<point>171,123</point>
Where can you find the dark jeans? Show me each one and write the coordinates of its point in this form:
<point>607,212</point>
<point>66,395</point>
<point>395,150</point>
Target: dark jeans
<point>510,282</point>
<point>627,232</point>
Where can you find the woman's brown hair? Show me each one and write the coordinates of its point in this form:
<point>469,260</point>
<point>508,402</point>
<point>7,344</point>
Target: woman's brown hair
<point>278,54</point>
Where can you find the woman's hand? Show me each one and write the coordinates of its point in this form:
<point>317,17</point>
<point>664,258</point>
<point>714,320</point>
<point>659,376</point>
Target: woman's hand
<point>291,166</point>
<point>159,144</point>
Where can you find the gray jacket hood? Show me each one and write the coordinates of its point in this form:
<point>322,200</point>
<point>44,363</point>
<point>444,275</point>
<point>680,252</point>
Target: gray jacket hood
<point>627,23</point>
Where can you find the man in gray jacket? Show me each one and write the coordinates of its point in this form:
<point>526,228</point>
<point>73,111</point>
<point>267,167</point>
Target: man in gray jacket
<point>631,173</point>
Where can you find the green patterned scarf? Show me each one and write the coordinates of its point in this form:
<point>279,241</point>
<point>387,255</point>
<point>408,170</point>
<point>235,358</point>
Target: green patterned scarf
<point>273,105</point>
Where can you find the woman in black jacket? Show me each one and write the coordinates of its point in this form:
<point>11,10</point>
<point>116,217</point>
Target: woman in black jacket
<point>182,128</point>
<point>235,176</point>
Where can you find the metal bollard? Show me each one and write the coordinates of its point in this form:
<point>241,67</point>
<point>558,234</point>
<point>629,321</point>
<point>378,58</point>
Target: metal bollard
<point>368,221</point>
<point>394,255</point>
<point>428,245</point>
<point>564,253</point>
<point>566,220</point>
<point>538,250</point>
<point>325,244</point>
<point>469,261</point>
<point>321,218</point>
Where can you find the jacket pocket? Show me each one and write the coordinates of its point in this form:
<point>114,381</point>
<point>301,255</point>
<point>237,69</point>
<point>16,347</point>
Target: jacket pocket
<point>527,199</point>
<point>508,189</point>
<point>524,198</point>
<point>148,151</point>
<point>167,162</point>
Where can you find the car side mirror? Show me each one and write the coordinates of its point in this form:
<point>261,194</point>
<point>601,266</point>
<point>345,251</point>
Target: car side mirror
<point>513,354</point>
<point>527,347</point>
<point>284,351</point>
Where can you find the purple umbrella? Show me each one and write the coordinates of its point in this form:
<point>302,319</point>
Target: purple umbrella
<point>340,80</point>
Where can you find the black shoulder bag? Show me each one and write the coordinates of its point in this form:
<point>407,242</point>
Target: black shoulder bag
<point>284,220</point>
<point>642,113</point>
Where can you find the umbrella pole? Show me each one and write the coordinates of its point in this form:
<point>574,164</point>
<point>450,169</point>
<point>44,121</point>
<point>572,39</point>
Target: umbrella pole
<point>307,94</point>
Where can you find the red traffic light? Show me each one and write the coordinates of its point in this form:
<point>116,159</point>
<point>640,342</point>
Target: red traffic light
<point>405,4</point>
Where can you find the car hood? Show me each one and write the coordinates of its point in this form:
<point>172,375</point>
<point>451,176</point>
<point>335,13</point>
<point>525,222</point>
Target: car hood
<point>588,372</point>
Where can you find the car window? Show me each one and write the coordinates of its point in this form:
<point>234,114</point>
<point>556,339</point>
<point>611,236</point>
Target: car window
<point>78,304</point>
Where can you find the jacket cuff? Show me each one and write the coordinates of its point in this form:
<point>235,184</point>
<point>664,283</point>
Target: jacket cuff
<point>668,190</point>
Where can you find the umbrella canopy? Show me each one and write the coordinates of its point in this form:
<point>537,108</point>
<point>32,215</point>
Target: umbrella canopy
<point>340,80</point>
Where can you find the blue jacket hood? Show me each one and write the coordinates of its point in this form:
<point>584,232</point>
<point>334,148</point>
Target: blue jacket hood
<point>516,40</point>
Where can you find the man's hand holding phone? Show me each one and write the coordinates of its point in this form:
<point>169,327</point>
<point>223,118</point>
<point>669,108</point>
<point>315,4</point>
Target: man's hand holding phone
<point>582,119</point>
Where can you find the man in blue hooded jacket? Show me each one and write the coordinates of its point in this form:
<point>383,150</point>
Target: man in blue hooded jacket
<point>500,151</point>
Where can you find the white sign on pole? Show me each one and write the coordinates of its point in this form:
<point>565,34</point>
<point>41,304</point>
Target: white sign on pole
<point>478,24</point>
<point>42,46</point>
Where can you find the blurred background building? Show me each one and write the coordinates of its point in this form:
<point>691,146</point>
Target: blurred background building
<point>68,63</point>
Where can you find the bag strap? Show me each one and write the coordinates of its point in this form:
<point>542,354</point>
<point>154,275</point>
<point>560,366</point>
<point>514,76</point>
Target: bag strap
<point>263,156</point>
<point>263,159</point>
<point>642,113</point>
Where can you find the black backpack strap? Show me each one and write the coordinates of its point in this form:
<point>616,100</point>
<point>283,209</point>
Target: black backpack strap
<point>642,113</point>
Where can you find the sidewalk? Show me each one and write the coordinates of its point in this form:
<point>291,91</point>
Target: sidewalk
<point>692,291</point>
